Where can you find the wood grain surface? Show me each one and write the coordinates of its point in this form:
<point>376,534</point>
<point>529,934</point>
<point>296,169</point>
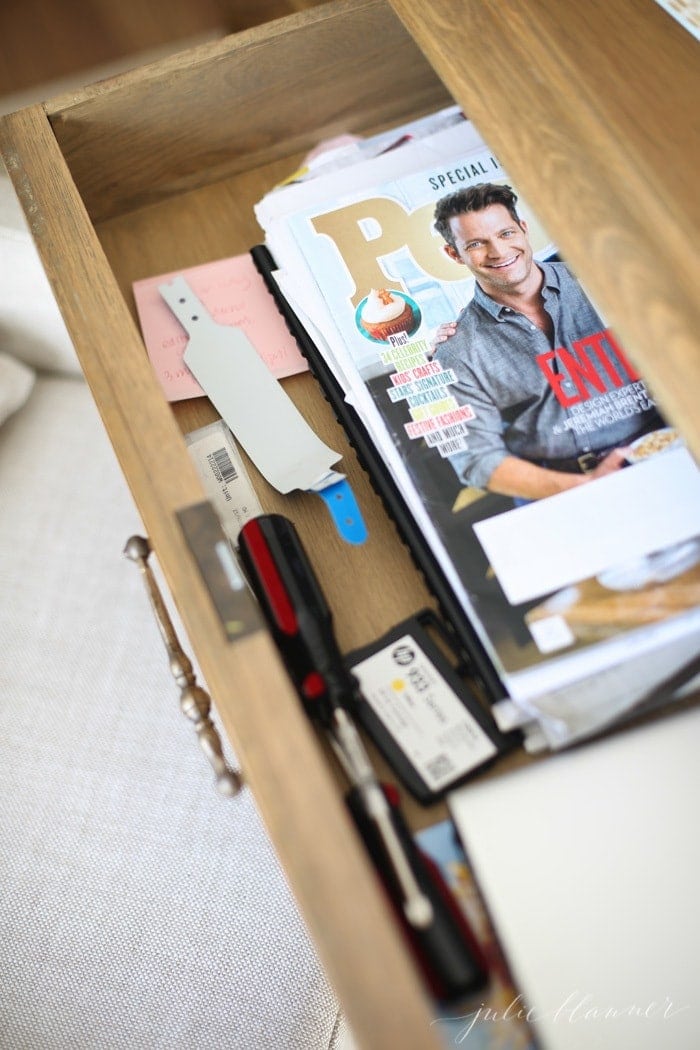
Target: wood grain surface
<point>232,105</point>
<point>44,41</point>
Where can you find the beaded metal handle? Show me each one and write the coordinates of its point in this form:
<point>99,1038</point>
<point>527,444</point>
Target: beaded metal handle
<point>194,701</point>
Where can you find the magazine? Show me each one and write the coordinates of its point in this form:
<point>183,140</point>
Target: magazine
<point>498,1018</point>
<point>563,509</point>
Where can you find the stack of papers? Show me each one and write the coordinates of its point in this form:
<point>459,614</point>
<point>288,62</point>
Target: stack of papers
<point>585,601</point>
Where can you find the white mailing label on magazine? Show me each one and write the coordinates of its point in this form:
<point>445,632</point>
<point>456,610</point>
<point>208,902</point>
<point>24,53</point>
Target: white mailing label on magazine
<point>423,713</point>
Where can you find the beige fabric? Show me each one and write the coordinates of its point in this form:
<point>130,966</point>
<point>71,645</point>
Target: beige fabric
<point>138,909</point>
<point>16,382</point>
<point>31,326</point>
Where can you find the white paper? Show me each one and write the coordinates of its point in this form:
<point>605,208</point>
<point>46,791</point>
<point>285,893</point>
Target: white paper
<point>588,862</point>
<point>534,550</point>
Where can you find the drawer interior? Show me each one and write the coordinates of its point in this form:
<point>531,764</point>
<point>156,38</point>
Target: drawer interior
<point>234,105</point>
<point>176,188</point>
<point>159,170</point>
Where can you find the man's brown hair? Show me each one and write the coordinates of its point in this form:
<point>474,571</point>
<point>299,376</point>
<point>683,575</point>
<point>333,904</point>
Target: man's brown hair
<point>474,198</point>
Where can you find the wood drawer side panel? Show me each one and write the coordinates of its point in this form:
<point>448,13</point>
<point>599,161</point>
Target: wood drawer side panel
<point>282,762</point>
<point>227,106</point>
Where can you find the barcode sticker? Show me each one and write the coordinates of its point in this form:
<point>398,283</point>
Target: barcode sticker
<point>226,481</point>
<point>222,463</point>
<point>423,714</point>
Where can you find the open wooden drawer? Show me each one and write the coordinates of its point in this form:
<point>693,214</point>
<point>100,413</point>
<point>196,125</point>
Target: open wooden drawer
<point>158,170</point>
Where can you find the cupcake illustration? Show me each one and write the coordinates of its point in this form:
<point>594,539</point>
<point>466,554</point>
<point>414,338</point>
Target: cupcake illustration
<point>385,313</point>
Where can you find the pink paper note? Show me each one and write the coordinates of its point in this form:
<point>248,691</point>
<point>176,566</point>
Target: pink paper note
<point>234,293</point>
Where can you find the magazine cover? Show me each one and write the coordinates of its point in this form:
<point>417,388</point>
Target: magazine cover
<point>499,1019</point>
<point>528,444</point>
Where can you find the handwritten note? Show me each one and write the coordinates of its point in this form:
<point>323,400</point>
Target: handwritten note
<point>234,293</point>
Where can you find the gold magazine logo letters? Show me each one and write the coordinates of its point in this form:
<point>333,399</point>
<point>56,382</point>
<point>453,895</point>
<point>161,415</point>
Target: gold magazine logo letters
<point>369,230</point>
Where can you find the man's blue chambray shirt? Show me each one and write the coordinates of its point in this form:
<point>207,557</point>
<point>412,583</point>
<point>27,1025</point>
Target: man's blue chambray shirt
<point>493,355</point>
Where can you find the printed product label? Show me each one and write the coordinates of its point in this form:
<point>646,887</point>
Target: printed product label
<point>225,479</point>
<point>423,713</point>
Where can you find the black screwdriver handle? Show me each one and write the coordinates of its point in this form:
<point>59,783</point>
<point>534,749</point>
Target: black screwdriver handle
<point>283,579</point>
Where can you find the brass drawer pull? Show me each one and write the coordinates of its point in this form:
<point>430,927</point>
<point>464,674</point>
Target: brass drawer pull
<point>195,702</point>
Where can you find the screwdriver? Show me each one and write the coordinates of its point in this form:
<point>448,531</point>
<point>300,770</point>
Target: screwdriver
<point>301,623</point>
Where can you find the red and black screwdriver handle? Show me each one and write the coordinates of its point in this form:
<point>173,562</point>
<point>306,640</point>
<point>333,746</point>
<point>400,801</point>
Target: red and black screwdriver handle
<point>300,620</point>
<point>282,578</point>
